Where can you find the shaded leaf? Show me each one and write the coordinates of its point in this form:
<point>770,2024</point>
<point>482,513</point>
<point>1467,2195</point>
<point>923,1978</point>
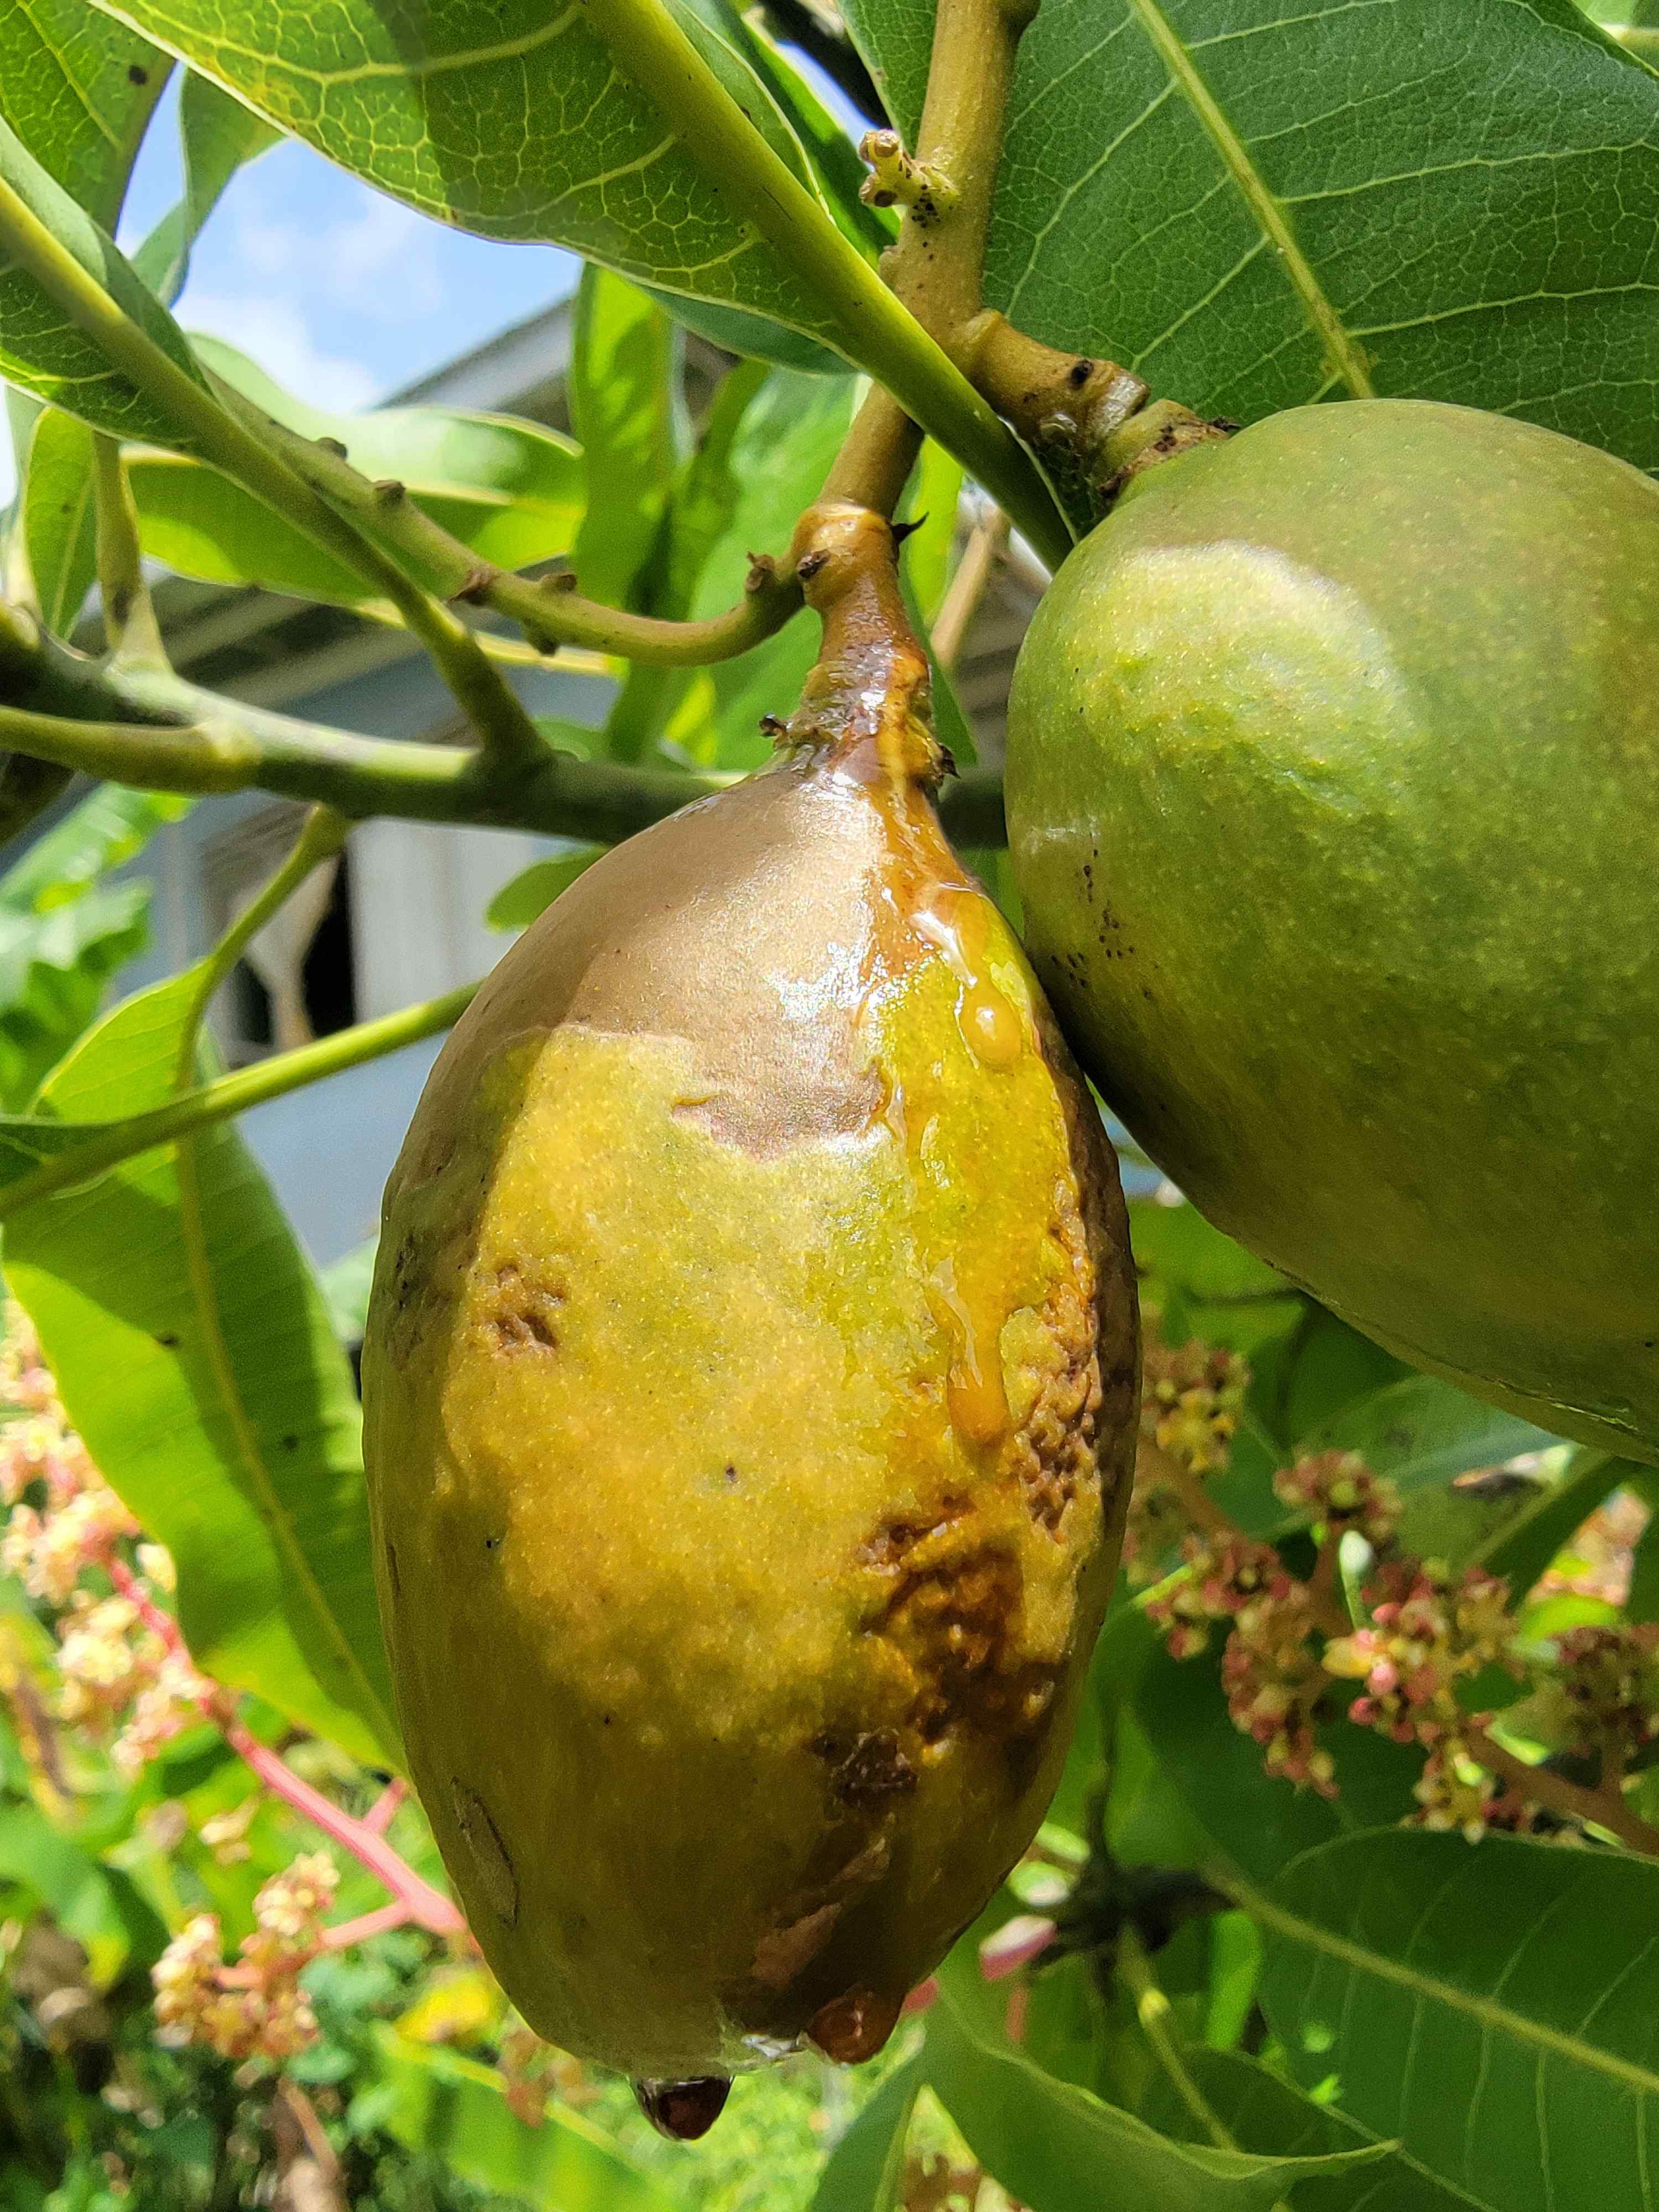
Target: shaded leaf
<point>1492,2007</point>
<point>87,1901</point>
<point>1421,1431</point>
<point>436,2101</point>
<point>517,903</point>
<point>865,2173</point>
<point>218,136</point>
<point>195,1354</point>
<point>1265,2113</point>
<point>1522,1550</point>
<point>346,1286</point>
<point>1051,2144</point>
<point>412,100</point>
<point>60,522</point>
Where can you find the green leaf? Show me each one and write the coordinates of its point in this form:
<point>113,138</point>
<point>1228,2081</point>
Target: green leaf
<point>45,354</point>
<point>195,1354</point>
<point>623,405</point>
<point>1052,2144</point>
<point>1264,2113</point>
<point>346,1287</point>
<point>511,491</point>
<point>1258,1818</point>
<point>753,336</point>
<point>219,136</point>
<point>434,2101</point>
<point>517,904</point>
<point>78,93</point>
<point>1259,208</point>
<point>780,456</point>
<point>1491,2007</point>
<point>60,517</point>
<point>866,2170</point>
<point>64,932</point>
<point>428,103</point>
<point>1522,1550</point>
<point>1421,1431</point>
<point>81,1895</point>
<point>1457,208</point>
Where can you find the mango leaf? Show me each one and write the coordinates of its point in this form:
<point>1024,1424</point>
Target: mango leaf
<point>754,336</point>
<point>195,1354</point>
<point>1264,2113</point>
<point>89,1902</point>
<point>1258,1818</point>
<point>1421,1431</point>
<point>517,903</point>
<point>60,517</point>
<point>1522,1550</point>
<point>346,1287</point>
<point>434,2101</point>
<point>1493,2009</point>
<point>42,351</point>
<point>1051,2144</point>
<point>1253,207</point>
<point>414,100</point>
<point>511,491</point>
<point>64,932</point>
<point>864,2172</point>
<point>78,94</point>
<point>218,137</point>
<point>623,400</point>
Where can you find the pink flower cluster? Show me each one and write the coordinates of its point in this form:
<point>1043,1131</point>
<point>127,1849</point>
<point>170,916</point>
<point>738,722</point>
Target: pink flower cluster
<point>256,2007</point>
<point>1428,1631</point>
<point>1610,1677</point>
<point>117,1673</point>
<point>1338,1492</point>
<point>1191,1398</point>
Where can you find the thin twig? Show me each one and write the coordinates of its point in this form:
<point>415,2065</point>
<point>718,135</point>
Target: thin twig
<point>1153,2012</point>
<point>130,623</point>
<point>1604,1808</point>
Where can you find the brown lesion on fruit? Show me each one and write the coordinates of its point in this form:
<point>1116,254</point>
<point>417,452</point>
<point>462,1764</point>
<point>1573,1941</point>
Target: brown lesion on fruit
<point>867,1769</point>
<point>523,1313</point>
<point>1056,1446</point>
<point>804,1922</point>
<point>894,1538</point>
<point>955,1624</point>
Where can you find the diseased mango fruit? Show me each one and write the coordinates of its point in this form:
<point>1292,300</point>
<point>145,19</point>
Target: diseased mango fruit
<point>750,1394</point>
<point>1333,795</point>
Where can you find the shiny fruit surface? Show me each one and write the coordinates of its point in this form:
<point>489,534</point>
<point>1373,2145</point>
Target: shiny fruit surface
<point>750,1399</point>
<point>1333,795</point>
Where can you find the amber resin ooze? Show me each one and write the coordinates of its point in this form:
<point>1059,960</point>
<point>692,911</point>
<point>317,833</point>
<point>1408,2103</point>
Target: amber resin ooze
<point>749,1391</point>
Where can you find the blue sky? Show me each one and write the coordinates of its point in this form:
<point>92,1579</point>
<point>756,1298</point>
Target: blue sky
<point>341,294</point>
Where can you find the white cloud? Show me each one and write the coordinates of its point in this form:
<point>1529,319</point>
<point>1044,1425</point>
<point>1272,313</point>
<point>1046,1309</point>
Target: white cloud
<point>383,262</point>
<point>273,331</point>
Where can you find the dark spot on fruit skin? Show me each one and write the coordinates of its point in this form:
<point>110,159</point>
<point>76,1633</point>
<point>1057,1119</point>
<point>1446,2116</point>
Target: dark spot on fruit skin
<point>492,1543</point>
<point>392,1574</point>
<point>136,74</point>
<point>290,1443</point>
<point>683,2111</point>
<point>870,1770</point>
<point>731,1474</point>
<point>167,1341</point>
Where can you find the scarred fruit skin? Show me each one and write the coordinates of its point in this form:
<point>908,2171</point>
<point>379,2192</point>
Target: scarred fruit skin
<point>1333,795</point>
<point>750,1387</point>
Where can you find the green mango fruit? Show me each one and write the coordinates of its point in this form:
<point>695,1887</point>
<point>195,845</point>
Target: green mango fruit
<point>1333,797</point>
<point>750,1399</point>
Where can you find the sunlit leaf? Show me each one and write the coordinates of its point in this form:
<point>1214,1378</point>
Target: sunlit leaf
<point>78,93</point>
<point>415,101</point>
<point>195,1354</point>
<point>866,2170</point>
<point>623,364</point>
<point>517,903</point>
<point>60,517</point>
<point>1422,1432</point>
<point>436,2101</point>
<point>219,136</point>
